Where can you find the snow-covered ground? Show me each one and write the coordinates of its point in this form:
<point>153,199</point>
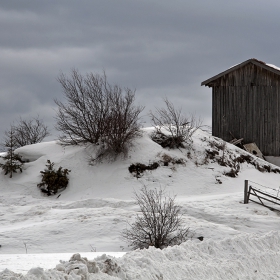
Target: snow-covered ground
<point>240,240</point>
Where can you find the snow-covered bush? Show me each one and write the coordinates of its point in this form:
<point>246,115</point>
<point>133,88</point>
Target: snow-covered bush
<point>173,129</point>
<point>138,168</point>
<point>160,223</point>
<point>53,180</point>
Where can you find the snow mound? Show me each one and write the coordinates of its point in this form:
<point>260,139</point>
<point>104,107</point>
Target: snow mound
<point>205,159</point>
<point>245,256</point>
<point>207,179</point>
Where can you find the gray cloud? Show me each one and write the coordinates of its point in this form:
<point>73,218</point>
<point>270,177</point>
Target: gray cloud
<point>160,48</point>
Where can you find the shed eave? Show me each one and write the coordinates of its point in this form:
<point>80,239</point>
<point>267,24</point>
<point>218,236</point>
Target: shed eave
<point>261,64</point>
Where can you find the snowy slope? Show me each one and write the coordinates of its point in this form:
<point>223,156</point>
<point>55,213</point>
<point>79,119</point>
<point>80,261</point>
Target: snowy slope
<point>93,210</point>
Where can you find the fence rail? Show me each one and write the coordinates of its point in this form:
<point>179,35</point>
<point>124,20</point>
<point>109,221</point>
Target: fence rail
<point>266,196</point>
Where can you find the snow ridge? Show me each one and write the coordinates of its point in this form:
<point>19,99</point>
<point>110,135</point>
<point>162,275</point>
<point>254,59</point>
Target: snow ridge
<point>246,256</point>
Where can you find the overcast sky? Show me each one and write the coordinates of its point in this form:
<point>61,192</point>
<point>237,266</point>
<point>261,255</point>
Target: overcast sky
<point>160,48</point>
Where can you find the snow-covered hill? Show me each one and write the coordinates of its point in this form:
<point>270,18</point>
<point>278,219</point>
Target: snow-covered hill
<point>95,207</point>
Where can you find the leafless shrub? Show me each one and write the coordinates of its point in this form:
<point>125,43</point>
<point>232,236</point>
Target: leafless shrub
<point>179,128</point>
<point>30,131</point>
<point>97,112</point>
<point>160,223</point>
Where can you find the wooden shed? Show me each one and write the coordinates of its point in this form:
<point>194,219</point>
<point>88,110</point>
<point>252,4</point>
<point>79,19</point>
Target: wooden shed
<point>246,104</point>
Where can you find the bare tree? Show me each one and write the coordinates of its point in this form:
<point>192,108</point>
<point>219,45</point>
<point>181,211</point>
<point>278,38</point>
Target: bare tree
<point>97,112</point>
<point>160,223</point>
<point>32,131</point>
<point>172,127</point>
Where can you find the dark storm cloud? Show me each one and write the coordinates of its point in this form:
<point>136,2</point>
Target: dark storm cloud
<point>160,48</point>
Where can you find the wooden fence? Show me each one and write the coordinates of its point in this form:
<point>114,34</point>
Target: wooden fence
<point>263,195</point>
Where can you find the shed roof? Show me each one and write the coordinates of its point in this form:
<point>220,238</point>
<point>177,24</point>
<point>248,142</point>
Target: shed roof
<point>269,67</point>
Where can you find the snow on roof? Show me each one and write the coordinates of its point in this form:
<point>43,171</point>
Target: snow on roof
<point>261,62</point>
<point>273,66</point>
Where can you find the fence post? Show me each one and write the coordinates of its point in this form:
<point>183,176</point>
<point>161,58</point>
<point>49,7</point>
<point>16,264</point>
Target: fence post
<point>246,192</point>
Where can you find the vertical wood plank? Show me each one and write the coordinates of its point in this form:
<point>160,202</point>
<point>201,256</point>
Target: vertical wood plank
<point>246,196</point>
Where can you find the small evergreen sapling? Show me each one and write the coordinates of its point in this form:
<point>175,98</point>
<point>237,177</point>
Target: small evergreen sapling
<point>13,161</point>
<point>53,180</point>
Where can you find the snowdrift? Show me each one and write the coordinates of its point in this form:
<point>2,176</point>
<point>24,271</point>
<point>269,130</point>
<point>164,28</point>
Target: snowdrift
<point>245,256</point>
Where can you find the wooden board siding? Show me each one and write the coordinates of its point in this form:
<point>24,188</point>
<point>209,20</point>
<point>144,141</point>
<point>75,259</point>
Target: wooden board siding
<point>247,75</point>
<point>246,102</point>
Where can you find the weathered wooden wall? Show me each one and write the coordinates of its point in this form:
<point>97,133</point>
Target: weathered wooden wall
<point>246,103</point>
